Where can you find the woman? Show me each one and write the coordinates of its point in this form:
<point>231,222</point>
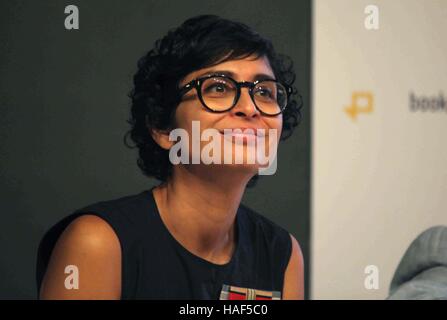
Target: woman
<point>189,237</point>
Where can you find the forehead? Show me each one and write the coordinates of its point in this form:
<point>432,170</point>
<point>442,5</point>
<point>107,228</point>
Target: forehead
<point>247,69</point>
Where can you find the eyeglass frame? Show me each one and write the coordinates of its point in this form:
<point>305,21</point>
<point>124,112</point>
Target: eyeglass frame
<point>197,84</point>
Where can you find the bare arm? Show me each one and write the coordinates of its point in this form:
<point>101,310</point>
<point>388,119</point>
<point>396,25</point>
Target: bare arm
<point>91,245</point>
<point>294,276</point>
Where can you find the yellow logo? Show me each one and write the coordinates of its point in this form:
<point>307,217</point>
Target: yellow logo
<point>361,102</point>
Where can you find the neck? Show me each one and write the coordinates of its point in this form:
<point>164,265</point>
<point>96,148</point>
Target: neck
<point>200,212</point>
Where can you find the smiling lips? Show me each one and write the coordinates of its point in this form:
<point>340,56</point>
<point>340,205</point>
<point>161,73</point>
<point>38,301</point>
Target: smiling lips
<point>243,134</point>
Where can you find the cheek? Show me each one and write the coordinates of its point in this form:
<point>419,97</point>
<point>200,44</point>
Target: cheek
<point>189,115</point>
<point>182,115</point>
<point>275,123</point>
<point>186,113</point>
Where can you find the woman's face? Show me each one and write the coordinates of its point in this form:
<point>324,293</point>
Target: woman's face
<point>242,116</point>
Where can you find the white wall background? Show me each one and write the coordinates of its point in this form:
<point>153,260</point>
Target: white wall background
<point>381,180</point>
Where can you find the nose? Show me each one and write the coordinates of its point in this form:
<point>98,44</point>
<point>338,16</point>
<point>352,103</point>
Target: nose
<point>245,106</point>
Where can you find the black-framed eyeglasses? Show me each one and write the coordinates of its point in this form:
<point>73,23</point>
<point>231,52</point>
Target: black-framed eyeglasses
<point>220,93</point>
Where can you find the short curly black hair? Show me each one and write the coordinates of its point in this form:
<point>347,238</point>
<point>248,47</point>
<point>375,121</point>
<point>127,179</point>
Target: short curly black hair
<point>200,42</point>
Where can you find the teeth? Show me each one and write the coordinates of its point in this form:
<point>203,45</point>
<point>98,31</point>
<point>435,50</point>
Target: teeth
<point>246,132</point>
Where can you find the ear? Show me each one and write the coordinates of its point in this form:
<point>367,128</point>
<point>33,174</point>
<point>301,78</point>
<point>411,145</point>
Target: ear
<point>162,138</point>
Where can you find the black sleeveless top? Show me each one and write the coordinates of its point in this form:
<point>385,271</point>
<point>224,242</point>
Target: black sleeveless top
<point>156,266</point>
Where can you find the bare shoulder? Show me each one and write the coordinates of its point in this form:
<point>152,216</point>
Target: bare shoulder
<point>90,230</point>
<point>85,262</point>
<point>294,275</point>
<point>296,249</point>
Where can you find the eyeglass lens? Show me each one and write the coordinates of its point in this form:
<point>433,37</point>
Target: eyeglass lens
<point>219,94</point>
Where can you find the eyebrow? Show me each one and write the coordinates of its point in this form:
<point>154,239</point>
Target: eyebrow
<point>256,77</point>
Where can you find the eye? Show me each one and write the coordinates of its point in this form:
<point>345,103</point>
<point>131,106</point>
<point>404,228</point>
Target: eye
<point>217,86</point>
<point>264,92</point>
